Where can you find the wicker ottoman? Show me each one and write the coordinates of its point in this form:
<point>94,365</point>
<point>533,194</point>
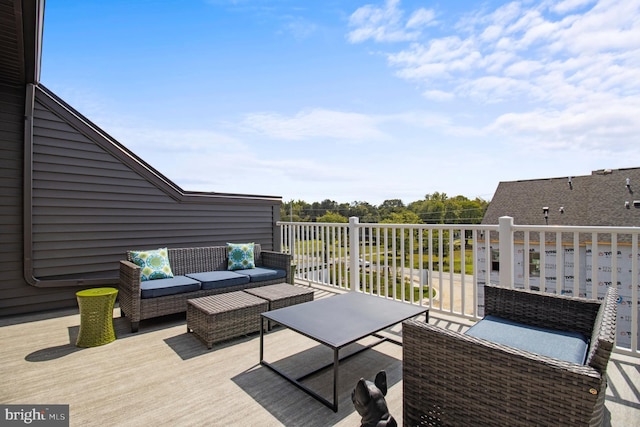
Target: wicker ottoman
<point>220,317</point>
<point>281,295</point>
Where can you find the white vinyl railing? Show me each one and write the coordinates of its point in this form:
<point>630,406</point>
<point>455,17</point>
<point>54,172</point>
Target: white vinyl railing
<point>445,267</point>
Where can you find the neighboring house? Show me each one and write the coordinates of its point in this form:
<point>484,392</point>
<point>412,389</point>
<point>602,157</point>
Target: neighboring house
<point>73,200</point>
<point>607,198</point>
<point>598,199</point>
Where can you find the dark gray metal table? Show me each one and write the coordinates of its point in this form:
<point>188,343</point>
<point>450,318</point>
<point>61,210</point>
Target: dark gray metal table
<point>337,322</point>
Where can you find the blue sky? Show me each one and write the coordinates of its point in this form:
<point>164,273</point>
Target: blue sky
<point>354,100</point>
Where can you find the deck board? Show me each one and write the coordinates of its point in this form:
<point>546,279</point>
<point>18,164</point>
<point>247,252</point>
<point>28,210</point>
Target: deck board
<point>164,376</point>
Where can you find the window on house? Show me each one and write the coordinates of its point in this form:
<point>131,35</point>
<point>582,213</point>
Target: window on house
<point>495,260</point>
<point>534,264</point>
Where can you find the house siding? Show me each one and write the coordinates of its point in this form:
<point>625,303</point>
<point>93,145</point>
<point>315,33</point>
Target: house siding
<point>11,112</point>
<point>17,24</point>
<point>16,295</point>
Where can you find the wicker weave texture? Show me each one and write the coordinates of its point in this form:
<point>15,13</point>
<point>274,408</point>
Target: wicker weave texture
<point>452,379</point>
<point>183,261</point>
<point>221,317</point>
<point>282,295</point>
<point>535,308</point>
<point>96,316</point>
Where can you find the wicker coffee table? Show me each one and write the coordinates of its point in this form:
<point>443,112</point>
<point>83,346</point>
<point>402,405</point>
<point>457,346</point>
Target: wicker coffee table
<point>281,295</point>
<point>220,317</point>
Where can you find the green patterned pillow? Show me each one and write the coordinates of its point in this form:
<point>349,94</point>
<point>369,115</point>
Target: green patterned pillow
<point>240,256</point>
<point>153,264</point>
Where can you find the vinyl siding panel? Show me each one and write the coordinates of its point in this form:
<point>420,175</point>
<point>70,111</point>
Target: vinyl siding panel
<point>16,295</point>
<point>12,107</point>
<point>12,284</point>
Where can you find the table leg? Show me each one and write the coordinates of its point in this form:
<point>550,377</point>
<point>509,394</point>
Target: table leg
<point>336,365</point>
<point>261,338</point>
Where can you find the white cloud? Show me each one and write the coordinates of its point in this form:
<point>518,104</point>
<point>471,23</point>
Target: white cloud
<point>150,140</point>
<point>385,24</point>
<point>420,119</point>
<point>506,14</point>
<point>421,18</point>
<point>611,25</point>
<point>300,28</point>
<point>565,74</point>
<point>613,129</point>
<point>438,59</point>
<point>438,95</point>
<point>570,5</point>
<point>491,33</point>
<point>317,123</point>
<point>522,68</point>
<point>515,41</point>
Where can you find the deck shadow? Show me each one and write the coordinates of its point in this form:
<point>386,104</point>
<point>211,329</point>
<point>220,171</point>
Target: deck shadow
<point>121,326</point>
<point>632,395</point>
<point>288,404</point>
<point>189,346</point>
<point>56,352</point>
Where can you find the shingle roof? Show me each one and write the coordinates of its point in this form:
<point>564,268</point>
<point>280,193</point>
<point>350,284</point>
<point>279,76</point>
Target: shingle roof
<point>591,200</point>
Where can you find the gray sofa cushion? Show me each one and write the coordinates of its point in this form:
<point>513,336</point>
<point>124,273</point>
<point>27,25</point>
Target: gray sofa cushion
<point>219,279</point>
<point>162,287</point>
<point>567,346</point>
<point>259,274</point>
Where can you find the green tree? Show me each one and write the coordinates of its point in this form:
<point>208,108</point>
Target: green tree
<point>435,208</point>
<point>404,217</point>
<point>332,217</point>
<point>299,209</point>
<point>390,206</point>
<point>364,211</point>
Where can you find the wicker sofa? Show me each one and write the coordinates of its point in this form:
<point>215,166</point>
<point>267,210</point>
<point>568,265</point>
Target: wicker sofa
<point>454,379</point>
<point>138,304</point>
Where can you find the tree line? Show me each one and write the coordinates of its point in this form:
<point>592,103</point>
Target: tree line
<point>435,208</point>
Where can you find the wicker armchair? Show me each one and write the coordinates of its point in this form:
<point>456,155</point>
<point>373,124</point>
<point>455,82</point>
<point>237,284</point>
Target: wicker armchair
<point>453,379</point>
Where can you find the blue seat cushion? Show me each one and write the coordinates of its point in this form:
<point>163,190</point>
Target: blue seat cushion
<point>567,346</point>
<point>172,286</point>
<point>260,274</point>
<point>219,279</point>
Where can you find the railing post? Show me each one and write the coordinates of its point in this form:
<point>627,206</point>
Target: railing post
<point>292,252</point>
<point>505,231</point>
<point>354,255</point>
<point>292,246</point>
<point>277,230</point>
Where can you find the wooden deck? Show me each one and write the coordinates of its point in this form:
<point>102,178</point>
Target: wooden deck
<point>164,376</point>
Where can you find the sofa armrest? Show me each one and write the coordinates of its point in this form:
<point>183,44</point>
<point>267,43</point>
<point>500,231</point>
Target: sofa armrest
<point>129,277</point>
<point>450,378</point>
<point>604,332</point>
<point>558,312</point>
<point>129,294</point>
<point>276,260</point>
